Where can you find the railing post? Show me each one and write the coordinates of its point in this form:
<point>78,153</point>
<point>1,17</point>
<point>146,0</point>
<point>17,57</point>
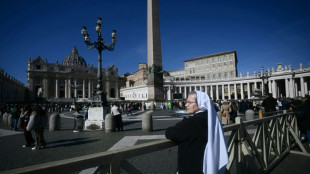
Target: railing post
<point>115,167</point>
<point>239,166</point>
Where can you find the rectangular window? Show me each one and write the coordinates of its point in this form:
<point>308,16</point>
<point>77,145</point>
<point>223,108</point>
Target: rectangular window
<point>38,81</point>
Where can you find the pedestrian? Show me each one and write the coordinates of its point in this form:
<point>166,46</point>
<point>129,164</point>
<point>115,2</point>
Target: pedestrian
<point>169,106</point>
<point>85,111</point>
<point>279,102</point>
<point>118,117</point>
<point>15,116</point>
<point>234,111</point>
<point>36,123</point>
<point>306,120</point>
<point>269,103</point>
<point>25,115</point>
<point>202,147</point>
<point>225,110</point>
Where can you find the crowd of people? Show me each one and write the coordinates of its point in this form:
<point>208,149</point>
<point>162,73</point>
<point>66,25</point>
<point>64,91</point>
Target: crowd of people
<point>31,119</point>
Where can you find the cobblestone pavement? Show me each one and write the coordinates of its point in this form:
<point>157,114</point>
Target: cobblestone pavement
<point>66,144</point>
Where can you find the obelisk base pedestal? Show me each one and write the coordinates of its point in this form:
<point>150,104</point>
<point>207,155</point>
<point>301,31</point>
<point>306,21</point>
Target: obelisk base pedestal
<point>96,116</point>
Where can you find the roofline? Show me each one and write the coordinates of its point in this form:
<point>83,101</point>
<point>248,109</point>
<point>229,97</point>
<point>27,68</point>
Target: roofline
<point>176,70</point>
<point>211,55</point>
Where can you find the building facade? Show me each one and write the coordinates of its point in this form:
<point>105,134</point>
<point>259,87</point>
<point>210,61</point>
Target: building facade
<point>136,85</point>
<point>11,90</point>
<point>210,67</point>
<point>73,79</point>
<point>282,83</point>
<point>216,75</point>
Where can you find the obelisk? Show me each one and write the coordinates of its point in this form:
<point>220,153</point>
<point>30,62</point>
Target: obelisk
<point>154,59</point>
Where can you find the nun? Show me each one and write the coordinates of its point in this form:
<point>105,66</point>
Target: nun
<point>202,147</point>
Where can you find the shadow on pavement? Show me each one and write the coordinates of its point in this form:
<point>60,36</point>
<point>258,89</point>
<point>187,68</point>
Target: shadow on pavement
<point>70,142</point>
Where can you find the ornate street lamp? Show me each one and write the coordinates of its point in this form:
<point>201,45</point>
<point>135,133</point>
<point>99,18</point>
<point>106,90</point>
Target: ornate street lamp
<point>264,77</point>
<point>99,96</point>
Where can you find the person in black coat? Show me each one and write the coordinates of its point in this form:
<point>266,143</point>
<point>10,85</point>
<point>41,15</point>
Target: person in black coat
<point>195,155</point>
<point>191,135</point>
<point>269,103</point>
<point>304,120</point>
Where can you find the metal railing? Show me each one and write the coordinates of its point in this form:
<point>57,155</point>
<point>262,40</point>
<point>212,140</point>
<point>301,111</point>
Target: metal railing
<point>275,136</point>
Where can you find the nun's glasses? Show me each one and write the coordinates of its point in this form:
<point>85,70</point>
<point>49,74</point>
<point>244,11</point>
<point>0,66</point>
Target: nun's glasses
<point>190,102</point>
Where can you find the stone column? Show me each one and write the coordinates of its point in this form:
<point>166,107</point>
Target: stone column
<point>66,88</point>
<point>108,88</point>
<point>306,88</point>
<point>211,92</point>
<point>56,89</point>
<point>274,93</point>
<point>185,91</point>
<point>295,89</point>
<point>269,85</point>
<point>292,91</point>
<point>217,92</point>
<point>89,88</point>
<point>235,88</point>
<point>69,88</point>
<point>287,93</point>
<point>84,88</point>
<point>241,90</point>
<point>45,87</point>
<point>117,91</point>
<point>302,89</point>
<point>169,93</point>
<point>276,89</point>
<point>249,92</point>
<point>229,93</point>
<point>75,89</point>
<point>263,87</point>
<point>255,85</point>
<point>223,92</point>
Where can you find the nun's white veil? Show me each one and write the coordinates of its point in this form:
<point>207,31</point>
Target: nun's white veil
<point>215,155</point>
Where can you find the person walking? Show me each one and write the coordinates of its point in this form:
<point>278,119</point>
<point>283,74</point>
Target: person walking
<point>36,123</point>
<point>202,147</point>
<point>169,106</point>
<point>15,116</point>
<point>25,115</point>
<point>118,117</point>
<point>234,111</point>
<point>225,110</point>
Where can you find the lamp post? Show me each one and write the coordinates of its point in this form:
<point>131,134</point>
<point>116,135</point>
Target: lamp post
<point>264,77</point>
<point>99,96</point>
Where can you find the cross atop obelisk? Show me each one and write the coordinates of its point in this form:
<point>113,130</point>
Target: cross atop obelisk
<point>154,59</point>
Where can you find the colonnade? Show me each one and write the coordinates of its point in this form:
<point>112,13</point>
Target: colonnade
<point>217,91</point>
<point>244,88</point>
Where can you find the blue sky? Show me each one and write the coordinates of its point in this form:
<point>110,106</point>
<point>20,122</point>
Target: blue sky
<point>263,32</point>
